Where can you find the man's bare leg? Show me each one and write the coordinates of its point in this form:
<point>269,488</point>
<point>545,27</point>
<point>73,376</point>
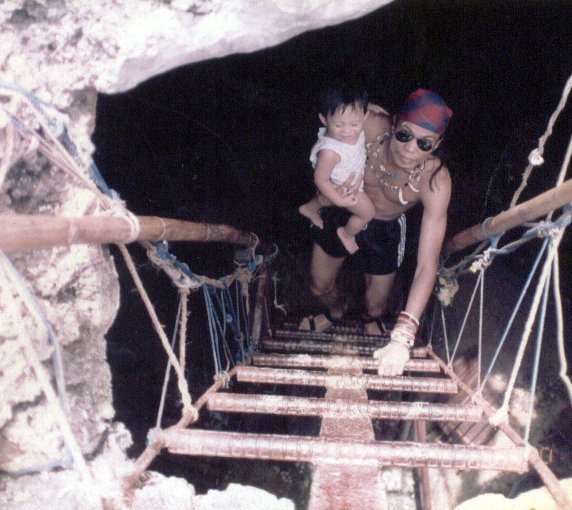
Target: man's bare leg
<point>378,289</point>
<point>324,271</point>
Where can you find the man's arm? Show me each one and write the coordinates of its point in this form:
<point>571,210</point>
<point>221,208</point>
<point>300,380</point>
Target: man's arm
<point>433,225</point>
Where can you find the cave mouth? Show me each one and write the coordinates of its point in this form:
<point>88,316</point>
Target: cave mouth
<point>227,141</point>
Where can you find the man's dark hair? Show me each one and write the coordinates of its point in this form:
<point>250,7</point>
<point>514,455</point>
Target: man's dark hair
<point>341,95</point>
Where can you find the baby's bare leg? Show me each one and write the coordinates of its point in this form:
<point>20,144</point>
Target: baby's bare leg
<point>362,213</point>
<point>310,210</point>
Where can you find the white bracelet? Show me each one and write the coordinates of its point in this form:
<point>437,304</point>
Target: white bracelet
<point>411,316</point>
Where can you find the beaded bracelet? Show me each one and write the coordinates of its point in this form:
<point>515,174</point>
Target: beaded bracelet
<point>403,336</point>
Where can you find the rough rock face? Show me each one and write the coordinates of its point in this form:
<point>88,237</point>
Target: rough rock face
<point>67,51</point>
<point>61,302</point>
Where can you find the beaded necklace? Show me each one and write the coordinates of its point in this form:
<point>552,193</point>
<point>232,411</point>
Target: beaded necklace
<point>383,176</point>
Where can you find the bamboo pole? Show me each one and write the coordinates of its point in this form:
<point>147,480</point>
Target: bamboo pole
<point>24,232</point>
<point>514,217</point>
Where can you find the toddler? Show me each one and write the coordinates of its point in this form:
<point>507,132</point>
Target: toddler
<point>339,152</point>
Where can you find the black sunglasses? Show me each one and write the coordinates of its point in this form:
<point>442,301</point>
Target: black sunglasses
<point>424,144</point>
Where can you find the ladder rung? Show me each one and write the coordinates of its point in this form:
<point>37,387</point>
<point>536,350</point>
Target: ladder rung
<point>319,450</point>
<point>345,381</point>
<point>330,336</point>
<point>300,406</point>
<point>307,361</point>
<point>325,347</point>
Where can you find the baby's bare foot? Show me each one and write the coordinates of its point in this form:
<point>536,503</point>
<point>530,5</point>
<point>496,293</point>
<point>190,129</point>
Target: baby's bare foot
<point>312,215</point>
<point>348,241</point>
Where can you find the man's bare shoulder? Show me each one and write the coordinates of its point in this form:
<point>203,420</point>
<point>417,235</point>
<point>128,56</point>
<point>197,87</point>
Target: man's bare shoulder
<point>437,189</point>
<point>377,123</point>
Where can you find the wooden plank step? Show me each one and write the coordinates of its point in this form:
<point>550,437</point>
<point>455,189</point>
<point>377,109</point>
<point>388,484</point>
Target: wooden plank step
<point>300,406</point>
<point>331,451</point>
<point>344,380</point>
<point>319,361</point>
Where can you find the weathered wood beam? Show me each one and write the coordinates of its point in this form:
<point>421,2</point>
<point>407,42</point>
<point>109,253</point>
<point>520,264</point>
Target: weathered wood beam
<point>527,211</point>
<point>25,232</point>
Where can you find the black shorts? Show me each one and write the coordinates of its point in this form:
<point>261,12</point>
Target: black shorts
<point>381,244</point>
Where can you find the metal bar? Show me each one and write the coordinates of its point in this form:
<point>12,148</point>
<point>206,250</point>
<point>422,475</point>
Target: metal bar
<point>345,381</point>
<point>317,361</point>
<point>346,349</point>
<point>299,406</point>
<point>532,455</point>
<point>329,336</point>
<point>343,452</point>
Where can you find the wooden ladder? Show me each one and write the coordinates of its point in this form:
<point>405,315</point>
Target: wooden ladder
<point>347,460</point>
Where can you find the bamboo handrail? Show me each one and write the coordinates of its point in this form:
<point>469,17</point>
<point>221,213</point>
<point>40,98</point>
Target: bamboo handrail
<point>28,232</point>
<point>514,217</point>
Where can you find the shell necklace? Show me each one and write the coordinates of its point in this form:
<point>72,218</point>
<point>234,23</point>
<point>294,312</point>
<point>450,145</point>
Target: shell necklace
<point>383,176</point>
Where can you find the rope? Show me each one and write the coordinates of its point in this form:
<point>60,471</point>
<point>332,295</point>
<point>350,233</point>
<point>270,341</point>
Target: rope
<point>445,335</point>
<point>469,306</point>
<point>530,320</point>
<point>181,382</point>
<point>560,329</point>
<point>536,361</point>
<point>514,312</point>
<point>168,370</point>
<point>282,308</point>
<point>56,403</point>
<point>480,340</point>
<point>535,157</point>
<point>184,299</point>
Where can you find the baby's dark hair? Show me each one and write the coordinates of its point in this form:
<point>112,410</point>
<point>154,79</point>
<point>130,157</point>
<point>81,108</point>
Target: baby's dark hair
<point>341,95</point>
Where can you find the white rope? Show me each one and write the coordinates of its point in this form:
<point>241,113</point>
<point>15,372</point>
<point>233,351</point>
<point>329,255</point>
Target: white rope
<point>469,307</point>
<point>542,140</point>
<point>480,348</point>
<point>530,320</point>
<point>560,328</point>
<point>444,323</point>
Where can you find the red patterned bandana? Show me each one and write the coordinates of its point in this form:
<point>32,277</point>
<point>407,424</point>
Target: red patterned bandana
<point>427,110</point>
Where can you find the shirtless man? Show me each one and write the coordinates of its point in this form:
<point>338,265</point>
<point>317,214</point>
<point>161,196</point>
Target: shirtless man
<point>401,171</point>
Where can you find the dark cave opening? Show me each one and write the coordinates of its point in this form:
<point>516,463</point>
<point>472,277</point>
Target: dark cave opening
<point>227,141</point>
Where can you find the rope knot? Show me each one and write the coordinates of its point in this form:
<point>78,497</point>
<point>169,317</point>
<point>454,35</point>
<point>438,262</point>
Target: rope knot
<point>224,376</point>
<point>193,413</point>
<point>447,287</point>
<point>535,157</point>
<point>501,416</point>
